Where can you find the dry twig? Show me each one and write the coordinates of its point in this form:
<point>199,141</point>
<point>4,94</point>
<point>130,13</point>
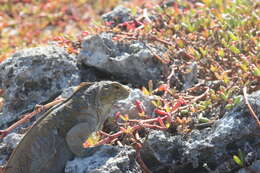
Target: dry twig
<point>26,117</point>
<point>249,107</point>
<point>138,147</point>
<point>195,99</point>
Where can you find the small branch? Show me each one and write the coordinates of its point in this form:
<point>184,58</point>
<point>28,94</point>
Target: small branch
<point>249,107</point>
<point>109,138</point>
<point>141,124</point>
<point>153,126</point>
<point>169,79</point>
<point>26,117</point>
<point>138,147</point>
<point>196,99</point>
<point>161,41</point>
<point>151,120</point>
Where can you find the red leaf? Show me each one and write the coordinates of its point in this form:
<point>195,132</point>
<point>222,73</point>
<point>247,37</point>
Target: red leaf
<point>139,106</point>
<point>179,102</point>
<point>163,87</point>
<point>161,122</point>
<point>160,112</point>
<point>85,33</point>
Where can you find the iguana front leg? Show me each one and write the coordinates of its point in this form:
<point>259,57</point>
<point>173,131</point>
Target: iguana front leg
<point>77,136</point>
<point>61,131</point>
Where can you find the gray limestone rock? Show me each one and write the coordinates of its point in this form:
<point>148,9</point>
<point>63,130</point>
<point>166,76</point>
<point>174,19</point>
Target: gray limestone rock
<point>190,76</point>
<point>12,140</point>
<point>128,106</point>
<point>132,62</point>
<point>120,14</point>
<point>33,76</point>
<point>7,145</point>
<point>255,167</point>
<point>213,147</point>
<point>105,159</point>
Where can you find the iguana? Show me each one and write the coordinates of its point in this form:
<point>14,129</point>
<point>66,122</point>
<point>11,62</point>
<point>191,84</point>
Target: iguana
<point>58,135</point>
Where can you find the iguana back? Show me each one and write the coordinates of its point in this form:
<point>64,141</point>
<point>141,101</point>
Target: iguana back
<point>44,148</point>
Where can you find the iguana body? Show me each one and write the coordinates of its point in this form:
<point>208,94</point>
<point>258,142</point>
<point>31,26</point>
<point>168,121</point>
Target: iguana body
<point>59,134</point>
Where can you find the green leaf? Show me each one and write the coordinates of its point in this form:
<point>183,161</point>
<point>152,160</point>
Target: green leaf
<point>92,140</point>
<point>234,49</point>
<point>167,124</point>
<point>197,54</point>
<point>157,103</point>
<point>167,108</point>
<point>147,28</point>
<point>256,71</point>
<point>221,53</point>
<point>145,91</point>
<point>185,111</point>
<point>232,36</point>
<point>237,100</point>
<point>224,43</point>
<point>202,51</point>
<point>224,96</point>
<point>244,67</point>
<point>124,117</point>
<point>159,9</point>
<point>134,11</point>
<point>203,120</point>
<point>229,106</point>
<point>180,43</point>
<point>237,160</point>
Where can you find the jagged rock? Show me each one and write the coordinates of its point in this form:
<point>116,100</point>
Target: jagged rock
<point>92,74</point>
<point>120,14</point>
<point>128,106</point>
<point>105,159</point>
<point>3,159</point>
<point>190,76</point>
<point>255,167</point>
<point>12,140</point>
<point>33,76</point>
<point>160,150</point>
<point>132,62</point>
<point>8,144</point>
<point>209,149</point>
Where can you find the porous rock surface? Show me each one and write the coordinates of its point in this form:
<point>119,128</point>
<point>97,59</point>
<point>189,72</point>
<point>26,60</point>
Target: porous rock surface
<point>255,167</point>
<point>105,159</point>
<point>133,62</point>
<point>120,14</point>
<point>190,76</point>
<point>33,76</point>
<point>210,149</point>
<point>8,144</point>
<point>128,105</point>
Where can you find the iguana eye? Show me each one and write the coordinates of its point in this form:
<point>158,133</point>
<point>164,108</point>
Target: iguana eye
<point>106,87</point>
<point>117,87</point>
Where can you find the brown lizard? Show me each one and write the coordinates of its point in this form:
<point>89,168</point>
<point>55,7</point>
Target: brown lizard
<point>58,135</point>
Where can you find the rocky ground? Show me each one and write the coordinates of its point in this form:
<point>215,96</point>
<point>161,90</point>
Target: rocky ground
<point>212,128</point>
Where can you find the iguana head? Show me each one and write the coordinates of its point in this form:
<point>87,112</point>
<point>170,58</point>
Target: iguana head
<point>110,92</point>
<point>106,93</point>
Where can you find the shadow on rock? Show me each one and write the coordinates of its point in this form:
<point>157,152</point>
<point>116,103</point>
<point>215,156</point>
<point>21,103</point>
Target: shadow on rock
<point>208,150</point>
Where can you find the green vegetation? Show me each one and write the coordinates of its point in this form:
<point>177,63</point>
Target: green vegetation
<point>221,36</point>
